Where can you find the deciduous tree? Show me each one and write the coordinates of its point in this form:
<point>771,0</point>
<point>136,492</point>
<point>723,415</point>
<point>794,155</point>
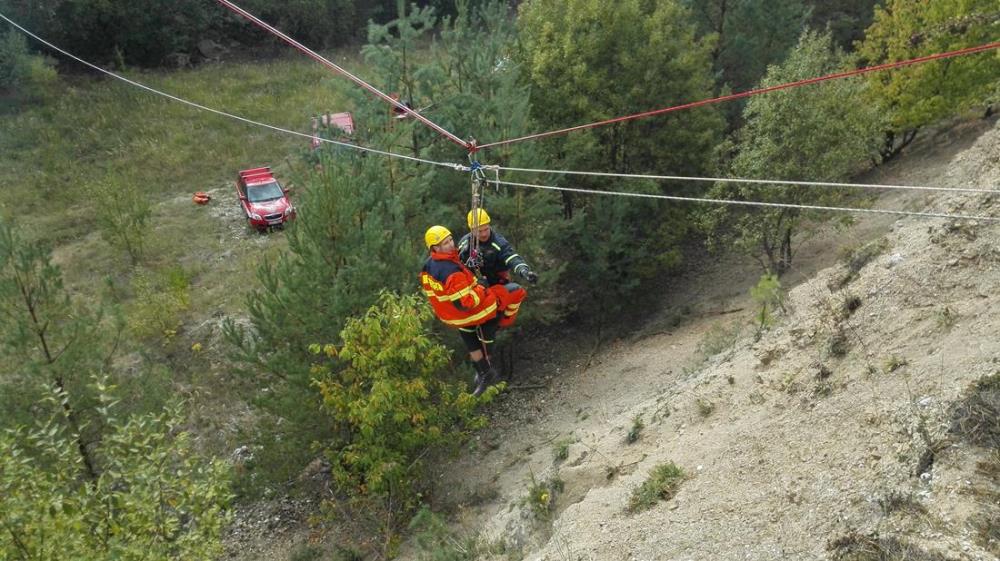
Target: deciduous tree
<point>152,497</point>
<point>815,133</point>
<point>919,95</point>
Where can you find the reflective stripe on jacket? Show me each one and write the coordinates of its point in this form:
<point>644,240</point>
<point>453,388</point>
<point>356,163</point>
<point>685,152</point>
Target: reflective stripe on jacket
<point>457,299</point>
<point>498,256</point>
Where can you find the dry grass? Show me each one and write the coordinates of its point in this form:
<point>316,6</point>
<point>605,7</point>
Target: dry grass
<point>976,417</point>
<point>859,547</point>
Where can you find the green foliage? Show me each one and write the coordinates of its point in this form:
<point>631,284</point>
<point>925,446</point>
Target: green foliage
<point>589,60</point>
<point>720,337</point>
<point>46,339</point>
<point>749,35</point>
<point>561,450</point>
<point>21,72</point>
<point>945,318</point>
<point>123,214</point>
<point>154,498</point>
<point>317,23</point>
<point>925,93</point>
<point>661,485</point>
<point>893,363</point>
<point>855,258</point>
<point>820,133</point>
<point>578,53</point>
<point>437,542</point>
<point>856,546</point>
<point>846,20</point>
<point>158,301</point>
<point>390,405</point>
<point>767,294</point>
<point>635,432</point>
<point>142,32</point>
<point>705,407</point>
<point>541,497</point>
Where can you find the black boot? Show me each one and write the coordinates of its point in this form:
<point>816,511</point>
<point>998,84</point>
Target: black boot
<point>482,379</point>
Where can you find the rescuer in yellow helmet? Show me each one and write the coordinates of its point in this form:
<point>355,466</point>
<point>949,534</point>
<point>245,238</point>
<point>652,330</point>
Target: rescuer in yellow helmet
<point>461,301</point>
<point>496,259</point>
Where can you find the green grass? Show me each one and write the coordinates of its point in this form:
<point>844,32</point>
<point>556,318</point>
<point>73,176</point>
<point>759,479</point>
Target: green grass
<point>95,130</point>
<point>662,485</point>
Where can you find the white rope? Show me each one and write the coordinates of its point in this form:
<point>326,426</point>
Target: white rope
<point>754,203</point>
<point>457,167</point>
<point>758,181</point>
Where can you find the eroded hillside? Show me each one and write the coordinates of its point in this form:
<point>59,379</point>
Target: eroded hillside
<point>830,435</point>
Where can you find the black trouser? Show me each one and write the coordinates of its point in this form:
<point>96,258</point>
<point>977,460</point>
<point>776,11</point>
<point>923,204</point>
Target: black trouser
<point>471,336</point>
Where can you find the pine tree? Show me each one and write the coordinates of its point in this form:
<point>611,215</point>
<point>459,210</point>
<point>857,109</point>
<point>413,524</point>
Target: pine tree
<point>362,216</point>
<point>590,60</point>
<point>749,35</point>
<point>48,341</point>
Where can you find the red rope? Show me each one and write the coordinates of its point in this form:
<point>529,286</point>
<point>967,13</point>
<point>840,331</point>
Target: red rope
<point>887,66</point>
<point>313,55</point>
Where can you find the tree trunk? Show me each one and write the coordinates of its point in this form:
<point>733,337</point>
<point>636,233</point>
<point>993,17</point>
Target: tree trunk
<point>567,199</point>
<point>786,252</point>
<point>890,150</point>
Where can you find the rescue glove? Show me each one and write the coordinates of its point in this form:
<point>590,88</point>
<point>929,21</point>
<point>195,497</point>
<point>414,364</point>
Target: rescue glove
<point>530,276</point>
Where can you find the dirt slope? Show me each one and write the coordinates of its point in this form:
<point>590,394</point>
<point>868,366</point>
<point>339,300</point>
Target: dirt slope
<point>791,441</point>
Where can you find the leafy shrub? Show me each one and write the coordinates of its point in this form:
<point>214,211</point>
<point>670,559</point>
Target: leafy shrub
<point>561,450</point>
<point>705,406</point>
<point>159,299</point>
<point>123,213</point>
<point>22,72</point>
<point>384,391</point>
<point>768,295</point>
<point>662,484</point>
<point>893,363</point>
<point>636,431</point>
<point>153,497</point>
<point>719,338</point>
<point>855,258</point>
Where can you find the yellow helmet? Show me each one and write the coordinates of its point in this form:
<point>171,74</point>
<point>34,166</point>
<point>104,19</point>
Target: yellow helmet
<point>435,235</point>
<point>484,218</point>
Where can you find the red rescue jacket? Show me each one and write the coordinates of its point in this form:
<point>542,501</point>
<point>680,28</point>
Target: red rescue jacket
<point>457,299</point>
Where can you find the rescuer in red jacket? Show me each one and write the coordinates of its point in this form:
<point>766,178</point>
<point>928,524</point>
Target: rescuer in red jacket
<point>461,301</point>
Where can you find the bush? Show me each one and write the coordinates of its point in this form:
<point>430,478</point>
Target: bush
<point>437,543</point>
<point>858,547</point>
<point>21,72</point>
<point>159,299</point>
<point>390,405</point>
<point>541,497</point>
<point>153,498</point>
<point>661,485</point>
<point>123,214</point>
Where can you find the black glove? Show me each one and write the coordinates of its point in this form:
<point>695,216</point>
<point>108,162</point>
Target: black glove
<point>530,276</point>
